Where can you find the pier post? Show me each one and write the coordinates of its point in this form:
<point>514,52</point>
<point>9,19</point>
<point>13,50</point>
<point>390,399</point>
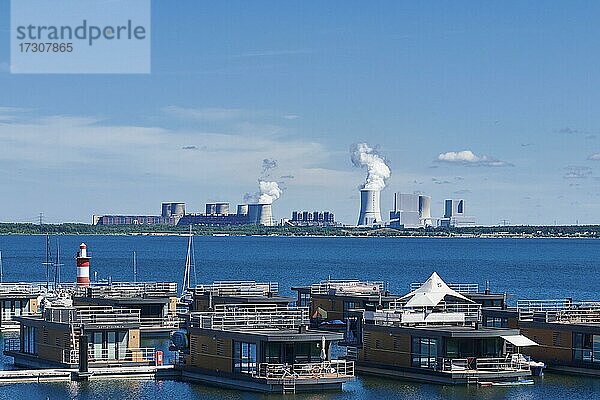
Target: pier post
<point>82,374</point>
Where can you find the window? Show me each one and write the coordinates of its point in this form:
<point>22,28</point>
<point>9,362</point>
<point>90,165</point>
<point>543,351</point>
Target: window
<point>586,347</point>
<point>424,352</point>
<point>272,353</point>
<point>495,322</point>
<point>244,360</point>
<point>30,340</point>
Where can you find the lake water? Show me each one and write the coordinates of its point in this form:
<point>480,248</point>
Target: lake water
<point>522,268</point>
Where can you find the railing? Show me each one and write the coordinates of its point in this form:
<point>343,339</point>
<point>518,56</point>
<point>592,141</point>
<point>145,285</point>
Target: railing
<point>133,355</point>
<point>12,344</point>
<point>472,364</point>
<point>251,317</point>
<point>350,286</point>
<point>565,310</point>
<point>322,370</point>
<point>443,313</point>
<point>92,315</point>
<point>239,288</point>
<point>458,287</point>
<point>22,288</point>
<point>170,321</point>
<point>7,316</point>
<point>129,289</point>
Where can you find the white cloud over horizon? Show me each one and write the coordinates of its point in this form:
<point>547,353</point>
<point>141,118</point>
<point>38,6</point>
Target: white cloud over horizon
<point>467,157</point>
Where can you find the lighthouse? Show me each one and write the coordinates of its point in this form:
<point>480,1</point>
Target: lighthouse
<point>83,266</point>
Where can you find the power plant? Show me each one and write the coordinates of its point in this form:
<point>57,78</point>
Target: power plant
<point>370,212</point>
<point>411,211</point>
<point>216,214</point>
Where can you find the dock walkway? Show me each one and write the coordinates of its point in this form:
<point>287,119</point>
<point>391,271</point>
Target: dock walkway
<point>62,374</point>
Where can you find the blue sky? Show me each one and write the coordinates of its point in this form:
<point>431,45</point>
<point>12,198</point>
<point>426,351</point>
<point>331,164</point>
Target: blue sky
<point>233,83</point>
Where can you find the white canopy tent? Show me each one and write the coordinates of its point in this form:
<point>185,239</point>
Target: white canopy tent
<point>431,293</point>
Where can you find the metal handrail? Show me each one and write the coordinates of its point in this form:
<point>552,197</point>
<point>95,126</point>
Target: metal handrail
<point>349,286</point>
<point>325,369</point>
<point>132,354</point>
<point>251,317</point>
<point>92,315</point>
<point>484,364</point>
<point>239,288</point>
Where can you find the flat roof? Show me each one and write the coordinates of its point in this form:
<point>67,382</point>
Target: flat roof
<point>448,330</point>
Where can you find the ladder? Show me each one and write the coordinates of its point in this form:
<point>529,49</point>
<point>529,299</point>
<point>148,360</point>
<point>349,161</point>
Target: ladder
<point>289,386</point>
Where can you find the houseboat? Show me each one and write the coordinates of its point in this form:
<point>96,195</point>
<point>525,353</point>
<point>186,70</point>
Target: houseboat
<point>262,347</point>
<point>568,332</point>
<point>17,299</point>
<point>156,302</point>
<point>205,297</point>
<point>434,334</point>
<point>109,336</point>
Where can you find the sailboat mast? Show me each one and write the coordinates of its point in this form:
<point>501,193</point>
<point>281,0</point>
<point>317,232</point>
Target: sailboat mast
<point>1,269</point>
<point>188,263</point>
<point>134,268</point>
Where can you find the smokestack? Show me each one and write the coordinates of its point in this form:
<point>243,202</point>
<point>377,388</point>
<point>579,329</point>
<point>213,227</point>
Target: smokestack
<point>370,212</point>
<point>83,266</point>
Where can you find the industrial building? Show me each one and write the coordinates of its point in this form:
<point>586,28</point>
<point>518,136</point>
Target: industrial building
<point>312,218</point>
<point>216,214</point>
<point>171,213</point>
<point>411,211</point>
<point>454,215</point>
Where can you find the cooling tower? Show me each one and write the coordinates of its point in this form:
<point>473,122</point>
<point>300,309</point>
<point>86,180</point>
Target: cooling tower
<point>370,212</point>
<point>211,208</point>
<point>166,210</point>
<point>425,207</point>
<point>260,214</point>
<point>178,209</point>
<point>242,209</point>
<point>222,208</point>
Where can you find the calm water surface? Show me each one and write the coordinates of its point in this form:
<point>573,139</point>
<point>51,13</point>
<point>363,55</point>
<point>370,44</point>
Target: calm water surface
<point>522,268</point>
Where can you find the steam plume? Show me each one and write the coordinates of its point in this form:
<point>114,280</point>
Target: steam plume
<point>377,170</point>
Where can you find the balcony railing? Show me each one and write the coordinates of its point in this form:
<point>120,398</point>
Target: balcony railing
<point>93,315</point>
<point>128,289</point>
<point>129,355</point>
<point>239,288</point>
<point>322,370</point>
<point>251,317</point>
<point>353,287</point>
<point>170,321</point>
<point>565,310</point>
<point>512,363</point>
<point>443,313</point>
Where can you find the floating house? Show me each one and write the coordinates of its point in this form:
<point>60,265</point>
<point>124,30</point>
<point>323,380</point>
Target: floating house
<point>205,297</point>
<point>106,336</point>
<point>17,299</point>
<point>434,334</point>
<point>262,347</point>
<point>568,332</point>
<point>156,302</point>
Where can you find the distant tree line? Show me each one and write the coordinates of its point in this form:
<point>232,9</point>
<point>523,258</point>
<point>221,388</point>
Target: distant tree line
<point>591,231</point>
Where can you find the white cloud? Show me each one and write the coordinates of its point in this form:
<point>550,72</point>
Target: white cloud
<point>467,157</point>
<point>209,113</point>
<point>594,157</point>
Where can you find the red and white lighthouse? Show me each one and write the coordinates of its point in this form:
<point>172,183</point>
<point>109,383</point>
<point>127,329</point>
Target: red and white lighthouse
<point>83,266</point>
